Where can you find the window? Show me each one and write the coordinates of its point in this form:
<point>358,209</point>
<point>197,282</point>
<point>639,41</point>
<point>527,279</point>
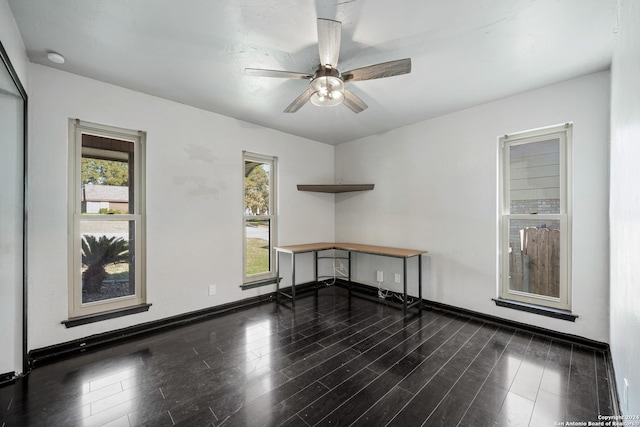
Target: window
<point>106,215</point>
<point>259,228</point>
<point>535,217</point>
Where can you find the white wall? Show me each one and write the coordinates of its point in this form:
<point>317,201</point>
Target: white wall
<point>625,205</point>
<point>13,44</point>
<point>194,198</point>
<point>11,200</point>
<point>436,189</point>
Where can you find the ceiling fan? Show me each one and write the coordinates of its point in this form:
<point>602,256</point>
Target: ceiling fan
<point>326,86</point>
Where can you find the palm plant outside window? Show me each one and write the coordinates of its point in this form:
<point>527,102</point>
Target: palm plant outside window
<point>107,218</point>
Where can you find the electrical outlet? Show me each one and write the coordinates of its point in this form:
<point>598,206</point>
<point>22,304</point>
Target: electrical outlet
<point>212,289</point>
<point>379,276</point>
<point>398,278</point>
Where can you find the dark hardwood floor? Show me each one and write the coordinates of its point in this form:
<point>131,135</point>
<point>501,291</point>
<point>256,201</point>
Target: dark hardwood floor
<point>335,361</point>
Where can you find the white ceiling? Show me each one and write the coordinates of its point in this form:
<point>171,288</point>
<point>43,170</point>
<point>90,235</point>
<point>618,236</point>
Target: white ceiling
<point>464,52</point>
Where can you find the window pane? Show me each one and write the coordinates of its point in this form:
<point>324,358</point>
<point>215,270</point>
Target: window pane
<point>257,246</point>
<point>534,257</point>
<point>534,172</point>
<point>107,175</point>
<point>107,259</point>
<point>256,188</point>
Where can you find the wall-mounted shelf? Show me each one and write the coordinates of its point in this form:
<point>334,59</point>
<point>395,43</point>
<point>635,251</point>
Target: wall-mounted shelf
<point>335,188</point>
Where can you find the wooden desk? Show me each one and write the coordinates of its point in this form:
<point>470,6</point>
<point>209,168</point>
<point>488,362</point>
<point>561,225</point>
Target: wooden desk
<point>404,254</point>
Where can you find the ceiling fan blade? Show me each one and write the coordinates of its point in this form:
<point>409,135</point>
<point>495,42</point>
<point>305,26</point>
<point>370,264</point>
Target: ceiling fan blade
<point>298,102</point>
<point>378,71</point>
<point>329,33</point>
<point>276,73</point>
<point>354,103</point>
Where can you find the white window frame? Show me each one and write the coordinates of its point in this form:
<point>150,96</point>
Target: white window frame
<point>272,217</point>
<point>564,134</point>
<point>76,129</point>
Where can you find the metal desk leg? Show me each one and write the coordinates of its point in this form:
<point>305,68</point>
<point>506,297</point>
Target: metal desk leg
<point>277,277</point>
<point>349,275</point>
<point>404,277</point>
<point>293,279</point>
<point>420,281</point>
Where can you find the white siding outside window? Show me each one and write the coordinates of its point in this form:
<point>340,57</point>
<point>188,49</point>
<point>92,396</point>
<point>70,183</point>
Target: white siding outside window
<point>535,217</point>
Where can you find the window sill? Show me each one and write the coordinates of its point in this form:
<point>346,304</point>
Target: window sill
<point>258,283</point>
<point>536,309</point>
<point>98,317</point>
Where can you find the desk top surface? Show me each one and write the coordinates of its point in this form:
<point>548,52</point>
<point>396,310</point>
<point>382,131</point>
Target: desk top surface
<point>354,247</point>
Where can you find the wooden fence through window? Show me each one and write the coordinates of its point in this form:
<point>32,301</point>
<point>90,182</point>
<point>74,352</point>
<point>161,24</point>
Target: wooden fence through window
<point>534,267</point>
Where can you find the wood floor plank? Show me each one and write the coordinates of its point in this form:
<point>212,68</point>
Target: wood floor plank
<point>358,403</point>
<point>328,402</point>
<point>437,358</point>
<point>385,408</point>
<point>582,394</point>
<point>452,371</point>
<point>334,360</point>
<point>456,403</point>
<point>370,350</point>
<point>331,349</point>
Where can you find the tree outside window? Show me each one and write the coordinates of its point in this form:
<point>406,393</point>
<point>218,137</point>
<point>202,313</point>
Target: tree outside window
<point>259,218</point>
<point>107,190</point>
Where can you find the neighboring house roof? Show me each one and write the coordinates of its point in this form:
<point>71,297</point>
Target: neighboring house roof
<point>105,193</point>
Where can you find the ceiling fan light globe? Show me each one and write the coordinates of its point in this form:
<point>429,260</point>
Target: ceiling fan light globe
<point>330,100</point>
<point>327,91</point>
<point>337,96</point>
